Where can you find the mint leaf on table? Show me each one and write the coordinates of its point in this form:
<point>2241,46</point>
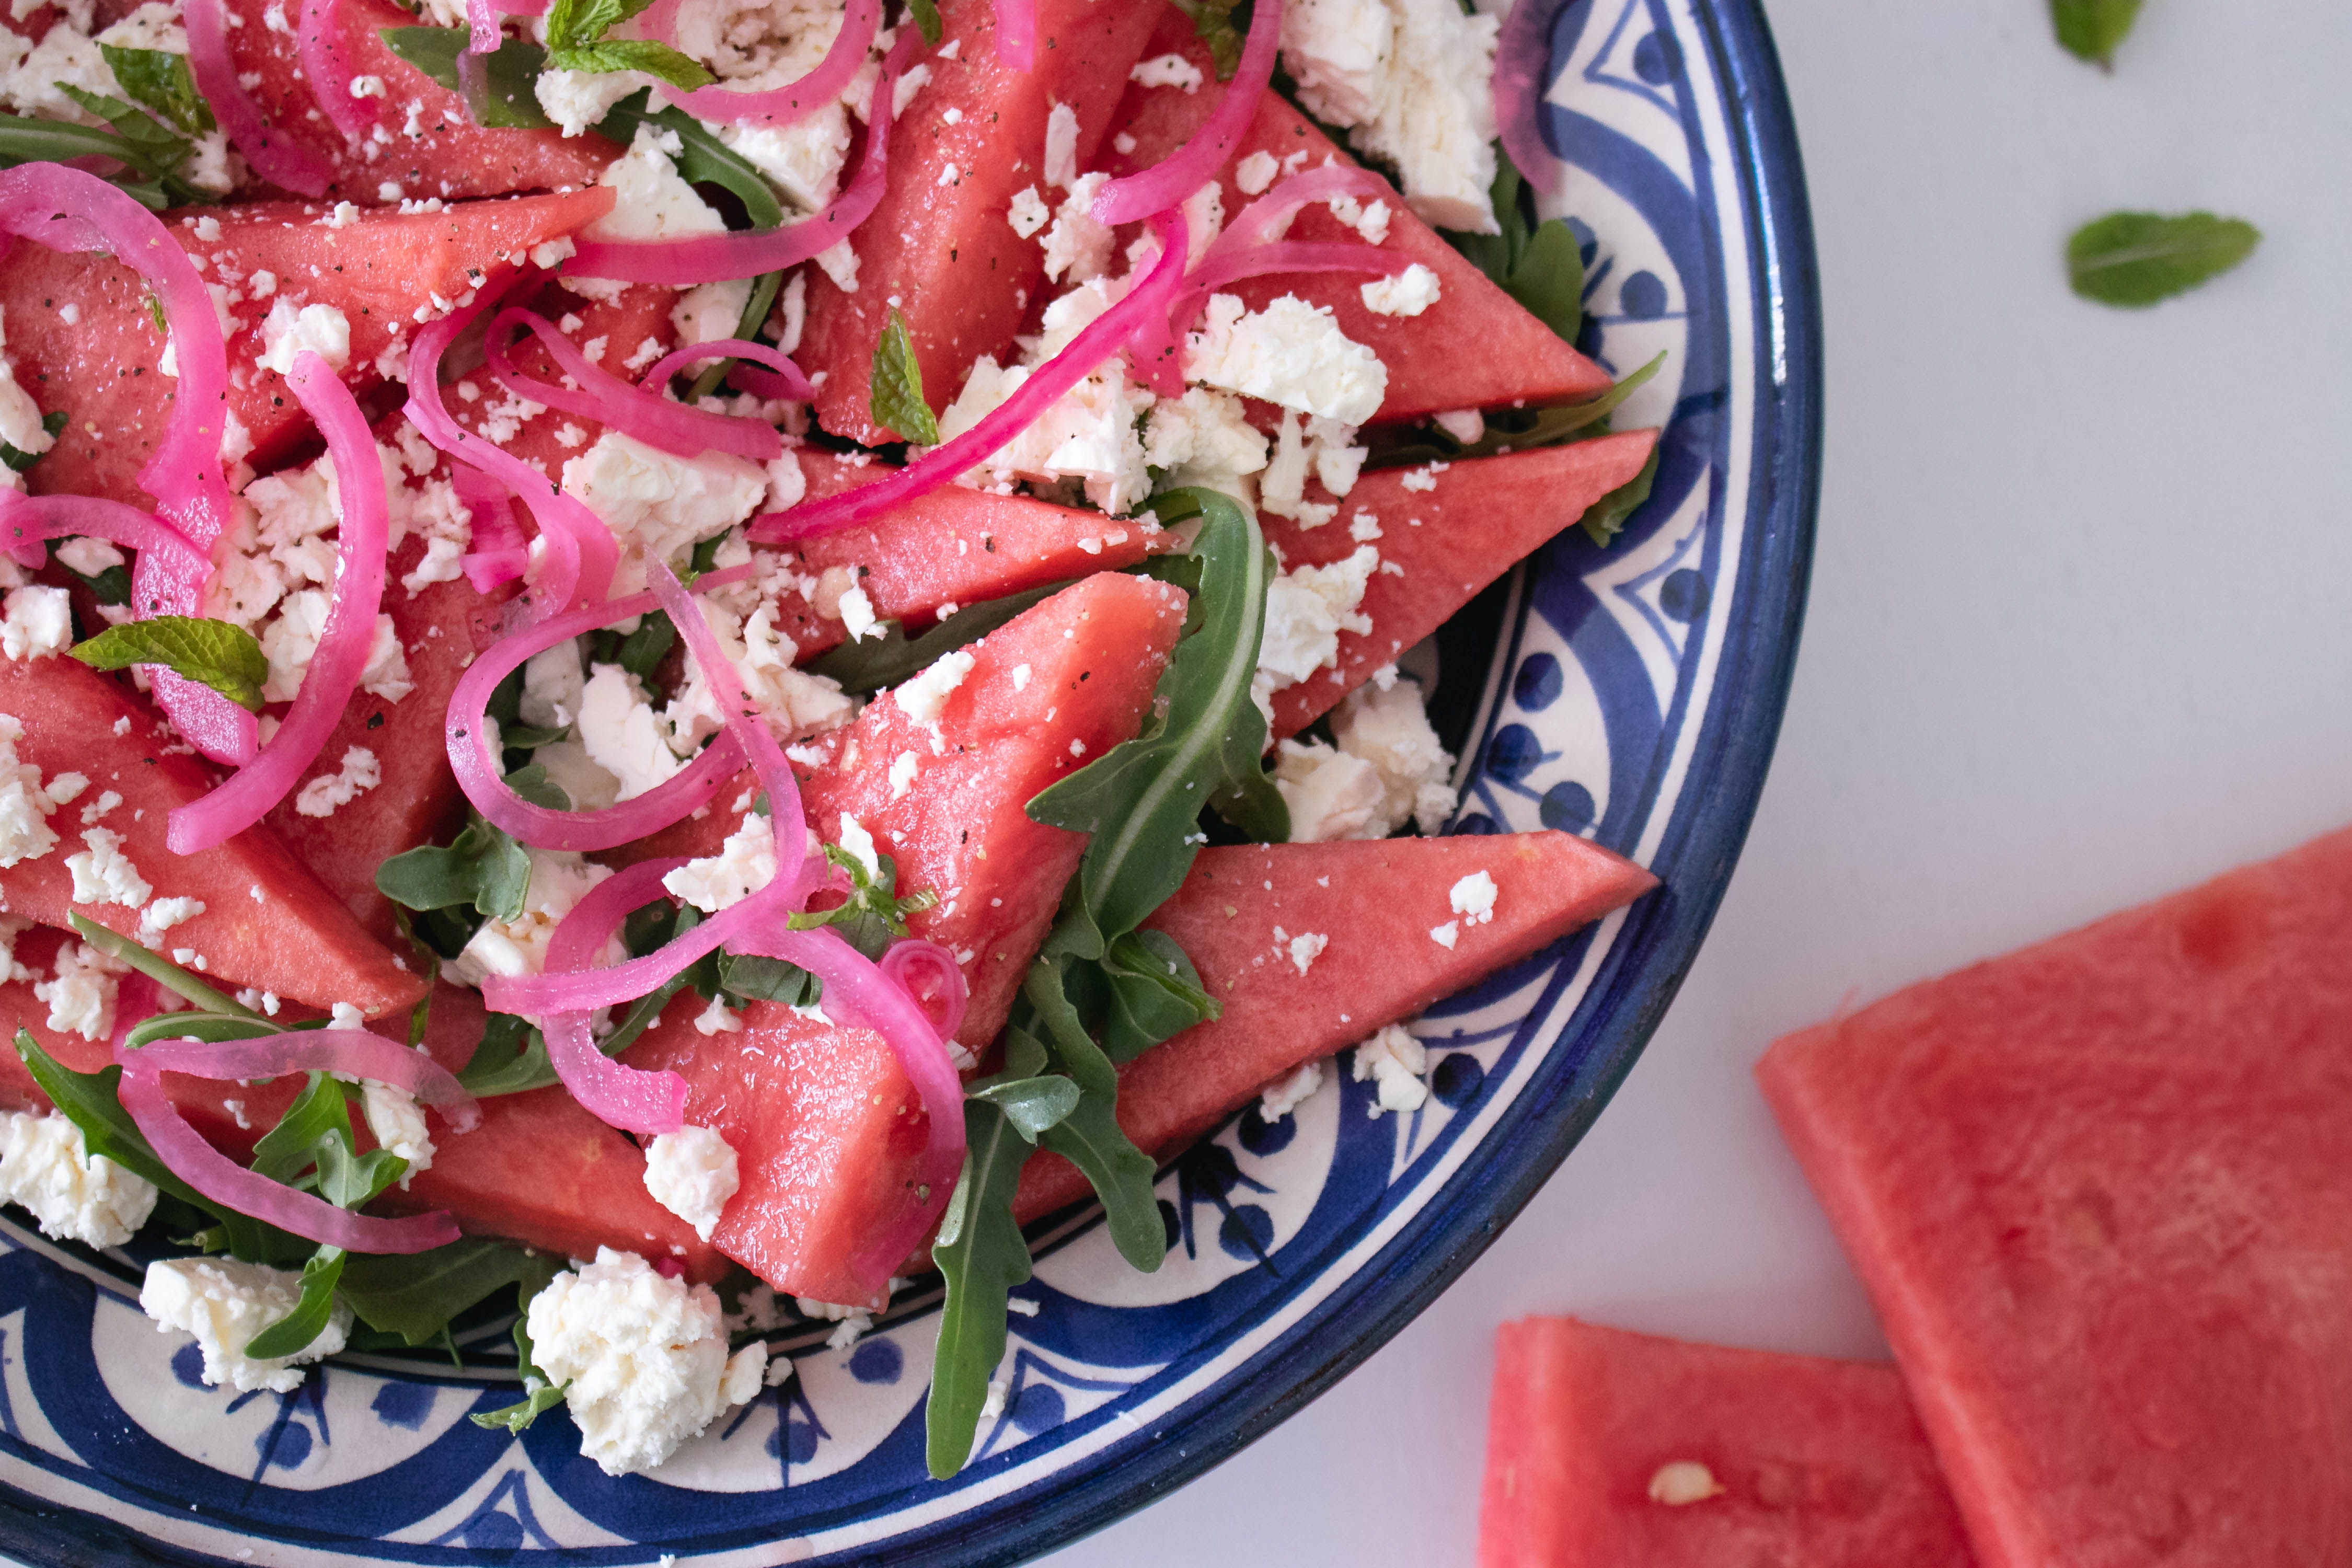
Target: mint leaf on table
<point>2090,30</point>
<point>160,82</point>
<point>2139,258</point>
<point>211,653</point>
<point>981,1254</point>
<point>895,391</point>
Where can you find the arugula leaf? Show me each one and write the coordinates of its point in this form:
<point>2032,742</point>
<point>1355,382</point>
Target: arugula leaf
<point>1089,1136</point>
<point>292,1148</point>
<point>1141,799</point>
<point>868,666</point>
<point>2139,258</point>
<point>541,1393</point>
<point>1605,519</point>
<point>161,82</point>
<point>1540,265</point>
<point>532,784</point>
<point>926,17</point>
<point>483,869</point>
<point>209,1027</point>
<point>1213,23</point>
<point>54,422</point>
<point>350,1180</point>
<point>895,390</point>
<point>1155,993</point>
<point>756,306</point>
<point>981,1254</point>
<point>162,971</point>
<point>415,1296</point>
<point>211,653</point>
<point>292,1333</point>
<point>1031,1104</point>
<point>2090,30</point>
<point>511,1058</point>
<point>702,159</point>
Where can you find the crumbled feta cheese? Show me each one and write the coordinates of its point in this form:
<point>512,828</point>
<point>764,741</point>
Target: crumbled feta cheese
<point>154,25</point>
<point>88,557</point>
<point>1306,610</point>
<point>287,332</point>
<point>225,1303</point>
<point>1408,293</point>
<point>857,616</point>
<point>692,1174</point>
<point>1388,730</point>
<point>659,505</point>
<point>1397,1061</point>
<point>1028,214</point>
<point>792,703</point>
<point>645,1358</point>
<point>291,641</point>
<point>1086,433</point>
<point>559,880</point>
<point>1167,70</point>
<point>619,733</point>
<point>1254,174</point>
<point>709,312</point>
<point>1473,898</point>
<point>1305,948</point>
<point>81,998</point>
<point>38,622</point>
<point>1446,935</point>
<point>161,914</point>
<point>575,100</point>
<point>1062,146</point>
<point>1289,1092</point>
<point>65,56</point>
<point>744,864</point>
<point>649,200</point>
<point>1205,438</point>
<point>398,1124</point>
<point>838,262</point>
<point>103,874</point>
<point>20,416</point>
<point>322,794</point>
<point>73,1195</point>
<point>718,1018</point>
<point>1331,796</point>
<point>925,696</point>
<point>859,844</point>
<point>1466,426</point>
<point>25,805</point>
<point>1078,246</point>
<point>1290,353</point>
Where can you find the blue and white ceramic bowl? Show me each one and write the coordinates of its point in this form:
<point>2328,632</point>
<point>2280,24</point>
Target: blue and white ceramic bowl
<point>1631,694</point>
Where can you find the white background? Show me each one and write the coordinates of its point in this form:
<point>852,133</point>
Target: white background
<point>2081,633</point>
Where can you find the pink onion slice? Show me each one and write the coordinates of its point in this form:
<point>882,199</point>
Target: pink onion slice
<point>1098,342</point>
<point>274,158</point>
<point>482,27</point>
<point>479,775</point>
<point>931,979</point>
<point>630,1098</point>
<point>635,411</point>
<point>136,999</point>
<point>854,987</point>
<point>543,995</point>
<point>356,1053</point>
<point>1522,62</point>
<point>1268,217</point>
<point>28,521</point>
<point>1184,170</point>
<point>795,101</point>
<point>1016,34</point>
<point>183,1149</point>
<point>707,258</point>
<point>326,60</point>
<point>334,671</point>
<point>500,554</point>
<point>782,378</point>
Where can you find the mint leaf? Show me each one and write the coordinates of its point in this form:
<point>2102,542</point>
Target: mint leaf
<point>2139,258</point>
<point>482,869</point>
<point>54,422</point>
<point>655,60</point>
<point>1212,23</point>
<point>576,23</point>
<point>873,913</point>
<point>927,21</point>
<point>211,653</point>
<point>2090,30</point>
<point>292,1333</point>
<point>1604,520</point>
<point>500,88</point>
<point>755,979</point>
<point>415,1296</point>
<point>981,1254</point>
<point>165,150</point>
<point>895,391</point>
<point>433,50</point>
<point>161,82</point>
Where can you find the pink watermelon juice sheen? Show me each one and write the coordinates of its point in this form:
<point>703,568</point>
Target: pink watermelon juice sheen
<point>1432,365</point>
<point>98,367</point>
<point>433,148</point>
<point>266,922</point>
<point>1441,544</point>
<point>2101,1192</point>
<point>939,242</point>
<point>1811,1461</point>
<point>1377,902</point>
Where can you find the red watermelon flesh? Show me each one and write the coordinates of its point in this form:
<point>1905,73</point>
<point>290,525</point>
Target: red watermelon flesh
<point>266,922</point>
<point>1432,363</point>
<point>1049,690</point>
<point>429,146</point>
<point>1475,521</point>
<point>938,242</point>
<point>1818,1462</point>
<point>418,801</point>
<point>2101,1192</point>
<point>1377,902</point>
<point>100,369</point>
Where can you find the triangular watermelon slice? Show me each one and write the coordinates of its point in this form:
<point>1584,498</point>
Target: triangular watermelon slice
<point>266,922</point>
<point>2101,1190</point>
<point>1476,348</point>
<point>939,245</point>
<point>1445,531</point>
<point>1378,903</point>
<point>430,147</point>
<point>1633,1451</point>
<point>82,341</point>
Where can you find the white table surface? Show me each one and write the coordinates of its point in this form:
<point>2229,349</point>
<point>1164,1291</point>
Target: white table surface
<point>2081,633</point>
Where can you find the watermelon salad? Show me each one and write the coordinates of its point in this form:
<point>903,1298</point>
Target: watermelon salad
<point>668,664</point>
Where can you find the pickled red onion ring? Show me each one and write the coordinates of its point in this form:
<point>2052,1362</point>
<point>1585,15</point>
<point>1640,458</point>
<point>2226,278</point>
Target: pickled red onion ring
<point>1522,62</point>
<point>29,520</point>
<point>274,158</point>
<point>1016,34</point>
<point>631,1099</point>
<point>1186,170</point>
<point>356,1053</point>
<point>213,1174</point>
<point>795,101</point>
<point>333,673</point>
<point>326,60</point>
<point>1267,219</point>
<point>500,554</point>
<point>929,975</point>
<point>635,411</point>
<point>1098,342</point>
<point>781,378</point>
<point>708,258</point>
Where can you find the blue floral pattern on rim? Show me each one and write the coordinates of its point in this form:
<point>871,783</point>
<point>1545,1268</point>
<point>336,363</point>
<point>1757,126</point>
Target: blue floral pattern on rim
<point>1634,698</point>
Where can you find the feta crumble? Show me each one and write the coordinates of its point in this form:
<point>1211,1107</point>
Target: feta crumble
<point>924,697</point>
<point>744,864</point>
<point>1291,354</point>
<point>1167,70</point>
<point>103,874</point>
<point>81,996</point>
<point>46,1168</point>
<point>324,794</point>
<point>1395,1061</point>
<point>37,623</point>
<point>659,506</point>
<point>287,332</point>
<point>1408,293</point>
<point>559,880</point>
<point>1473,898</point>
<point>1289,1092</point>
<point>224,1304</point>
<point>692,1174</point>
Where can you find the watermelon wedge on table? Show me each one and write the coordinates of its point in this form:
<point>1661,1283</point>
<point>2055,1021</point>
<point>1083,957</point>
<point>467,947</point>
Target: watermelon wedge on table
<point>1377,902</point>
<point>938,242</point>
<point>266,921</point>
<point>82,342</point>
<point>1476,348</point>
<point>1445,531</point>
<point>2101,1192</point>
<point>428,147</point>
<point>1609,1449</point>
